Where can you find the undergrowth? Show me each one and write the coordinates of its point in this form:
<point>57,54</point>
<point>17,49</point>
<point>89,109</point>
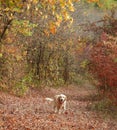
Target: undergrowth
<point>106,107</point>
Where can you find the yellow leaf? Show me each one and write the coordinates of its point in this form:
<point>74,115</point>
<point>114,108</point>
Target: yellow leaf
<point>1,55</point>
<point>18,57</point>
<point>71,8</point>
<point>35,1</point>
<point>46,32</point>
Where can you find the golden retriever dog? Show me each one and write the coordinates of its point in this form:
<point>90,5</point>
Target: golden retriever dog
<point>59,103</point>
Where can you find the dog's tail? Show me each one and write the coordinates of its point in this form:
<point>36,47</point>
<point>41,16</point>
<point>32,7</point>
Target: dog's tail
<point>49,99</point>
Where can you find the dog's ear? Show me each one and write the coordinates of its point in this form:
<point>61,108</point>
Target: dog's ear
<point>65,98</point>
<point>59,97</point>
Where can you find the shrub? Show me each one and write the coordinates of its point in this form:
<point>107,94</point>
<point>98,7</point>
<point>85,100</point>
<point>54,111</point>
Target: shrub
<point>22,86</point>
<point>103,65</point>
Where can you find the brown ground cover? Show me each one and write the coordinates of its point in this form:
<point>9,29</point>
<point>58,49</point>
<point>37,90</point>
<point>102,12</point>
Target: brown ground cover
<point>33,113</point>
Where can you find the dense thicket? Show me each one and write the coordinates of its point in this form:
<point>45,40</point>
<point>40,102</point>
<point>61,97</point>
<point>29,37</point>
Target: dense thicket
<point>103,59</point>
<point>29,49</point>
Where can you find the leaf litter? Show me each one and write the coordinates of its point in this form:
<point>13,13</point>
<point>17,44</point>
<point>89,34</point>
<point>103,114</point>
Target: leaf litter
<point>33,113</point>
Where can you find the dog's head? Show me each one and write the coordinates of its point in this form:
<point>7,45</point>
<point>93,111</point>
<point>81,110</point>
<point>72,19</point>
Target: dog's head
<point>62,98</point>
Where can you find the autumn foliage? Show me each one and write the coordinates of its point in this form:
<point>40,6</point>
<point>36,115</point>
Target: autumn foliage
<point>35,44</point>
<point>104,65</point>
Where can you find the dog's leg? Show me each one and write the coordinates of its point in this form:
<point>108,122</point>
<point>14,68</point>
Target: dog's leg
<point>60,109</point>
<point>64,107</point>
<point>55,108</point>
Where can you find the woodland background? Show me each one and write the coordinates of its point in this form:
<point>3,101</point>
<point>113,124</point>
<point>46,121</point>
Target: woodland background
<point>57,43</point>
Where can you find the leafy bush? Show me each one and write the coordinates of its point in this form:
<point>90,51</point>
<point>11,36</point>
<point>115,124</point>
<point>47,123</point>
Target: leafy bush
<point>103,65</point>
<point>106,107</point>
<point>22,86</point>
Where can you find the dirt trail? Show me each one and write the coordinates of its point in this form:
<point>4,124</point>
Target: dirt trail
<point>33,113</point>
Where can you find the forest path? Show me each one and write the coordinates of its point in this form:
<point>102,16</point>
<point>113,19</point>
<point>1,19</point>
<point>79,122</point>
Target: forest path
<point>33,113</point>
